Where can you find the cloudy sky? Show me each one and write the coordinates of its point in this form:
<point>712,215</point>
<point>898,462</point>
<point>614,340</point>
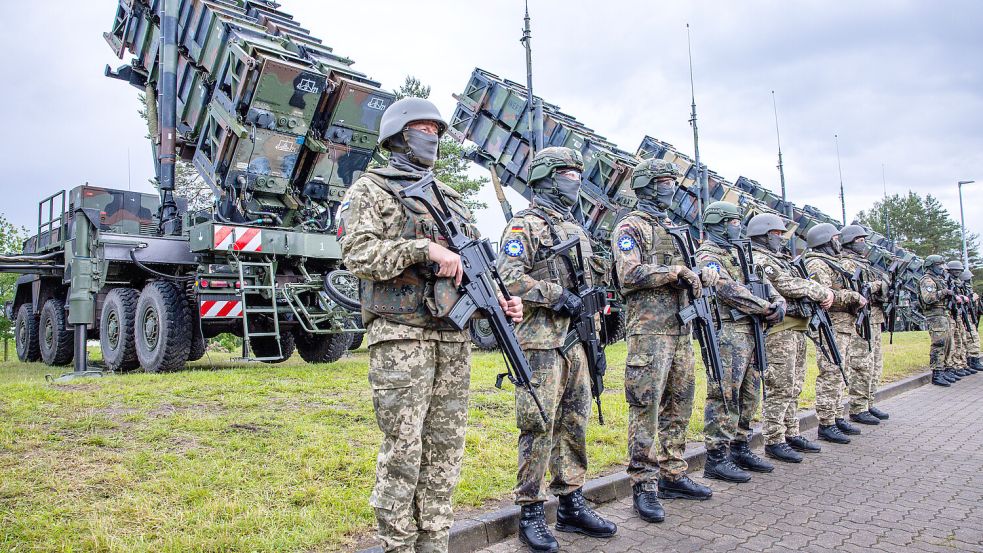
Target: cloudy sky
<point>900,82</point>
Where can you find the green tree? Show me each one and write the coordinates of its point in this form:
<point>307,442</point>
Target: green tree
<point>10,242</point>
<point>451,167</point>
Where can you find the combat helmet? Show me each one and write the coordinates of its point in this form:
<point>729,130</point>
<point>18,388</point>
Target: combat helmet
<point>933,260</point>
<point>550,159</point>
<point>763,223</point>
<point>720,211</point>
<point>650,169</point>
<point>955,266</point>
<point>406,111</point>
<point>820,234</point>
<point>850,233</point>
<point>966,275</point>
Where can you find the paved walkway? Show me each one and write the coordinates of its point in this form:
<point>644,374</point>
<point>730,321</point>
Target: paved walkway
<point>913,483</point>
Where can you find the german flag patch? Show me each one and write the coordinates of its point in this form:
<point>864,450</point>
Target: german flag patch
<point>516,228</point>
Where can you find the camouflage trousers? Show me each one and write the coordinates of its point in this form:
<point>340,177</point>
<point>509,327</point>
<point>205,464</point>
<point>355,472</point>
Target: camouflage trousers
<point>829,382</point>
<point>954,359</point>
<point>420,395</point>
<point>973,343</point>
<point>659,388</point>
<point>878,341</point>
<point>941,334</point>
<point>783,381</point>
<point>863,372</point>
<point>742,384</point>
<point>562,382</point>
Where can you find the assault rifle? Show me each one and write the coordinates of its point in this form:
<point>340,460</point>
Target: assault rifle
<point>583,327</point>
<point>958,310</point>
<point>702,312</point>
<point>478,285</point>
<point>863,325</point>
<point>759,289</point>
<point>896,271</point>
<point>820,325</point>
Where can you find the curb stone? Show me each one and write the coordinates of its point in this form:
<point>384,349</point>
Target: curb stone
<point>484,529</point>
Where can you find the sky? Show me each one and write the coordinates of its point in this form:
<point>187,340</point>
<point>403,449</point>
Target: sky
<point>900,82</point>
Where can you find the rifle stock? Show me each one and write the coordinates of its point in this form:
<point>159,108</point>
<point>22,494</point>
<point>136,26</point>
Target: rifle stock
<point>820,325</point>
<point>746,260</point>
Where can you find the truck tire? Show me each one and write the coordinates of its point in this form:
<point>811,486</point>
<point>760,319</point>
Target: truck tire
<point>163,327</point>
<point>322,348</point>
<point>342,287</point>
<point>198,345</point>
<point>54,336</point>
<point>119,348</point>
<point>482,336</point>
<point>357,337</point>
<point>265,346</point>
<point>26,335</point>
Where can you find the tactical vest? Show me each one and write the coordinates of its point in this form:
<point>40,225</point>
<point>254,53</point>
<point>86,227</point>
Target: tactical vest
<point>417,297</point>
<point>937,306</point>
<point>555,268</point>
<point>793,306</point>
<point>664,253</point>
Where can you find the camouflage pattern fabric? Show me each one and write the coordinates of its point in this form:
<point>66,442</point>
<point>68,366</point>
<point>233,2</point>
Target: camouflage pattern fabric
<point>420,396</point>
<point>973,343</point>
<point>827,270</point>
<point>563,385</point>
<point>863,379</point>
<point>931,296</point>
<point>659,387</point>
<point>644,254</point>
<point>539,281</point>
<point>419,377</point>
<point>863,372</point>
<point>742,384</point>
<point>957,352</point>
<point>786,369</point>
<point>731,288</point>
<point>877,339</point>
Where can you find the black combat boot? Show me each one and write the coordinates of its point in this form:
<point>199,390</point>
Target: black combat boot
<point>831,433</point>
<point>939,380</point>
<point>573,515</point>
<point>847,428</point>
<point>782,452</point>
<point>533,530</point>
<point>683,488</point>
<point>741,454</point>
<point>969,368</point>
<point>975,364</point>
<point>950,374</point>
<point>803,445</point>
<point>865,417</point>
<point>960,371</point>
<point>720,467</point>
<point>647,503</point>
<point>878,413</point>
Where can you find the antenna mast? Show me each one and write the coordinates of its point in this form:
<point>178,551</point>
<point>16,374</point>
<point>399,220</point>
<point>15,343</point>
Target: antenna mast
<point>534,109</point>
<point>781,171</point>
<point>701,176</point>
<point>836,139</point>
<point>887,220</point>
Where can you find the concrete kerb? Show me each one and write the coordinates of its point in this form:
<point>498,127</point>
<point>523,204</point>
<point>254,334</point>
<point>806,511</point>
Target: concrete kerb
<point>482,530</point>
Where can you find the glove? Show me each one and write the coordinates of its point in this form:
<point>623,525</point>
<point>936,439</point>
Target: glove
<point>569,305</point>
<point>688,279</point>
<point>709,276</point>
<point>776,313</point>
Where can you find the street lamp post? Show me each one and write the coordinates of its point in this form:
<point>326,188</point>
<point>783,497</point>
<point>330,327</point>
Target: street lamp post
<point>962,221</point>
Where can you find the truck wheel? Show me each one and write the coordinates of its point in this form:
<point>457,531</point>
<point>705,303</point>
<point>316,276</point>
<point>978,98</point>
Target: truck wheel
<point>55,337</point>
<point>322,348</point>
<point>342,287</point>
<point>26,335</point>
<point>198,342</point>
<point>163,327</point>
<point>482,336</point>
<point>119,349</point>
<point>265,346</point>
<point>357,337</point>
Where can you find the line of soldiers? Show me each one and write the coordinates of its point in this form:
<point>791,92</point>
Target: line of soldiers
<point>951,310</point>
<point>419,365</point>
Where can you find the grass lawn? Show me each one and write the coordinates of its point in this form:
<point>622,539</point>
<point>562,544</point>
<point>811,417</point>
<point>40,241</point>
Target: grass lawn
<point>250,458</point>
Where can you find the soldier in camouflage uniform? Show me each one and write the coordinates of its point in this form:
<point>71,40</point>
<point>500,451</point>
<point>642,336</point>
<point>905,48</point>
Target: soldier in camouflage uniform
<point>786,342</point>
<point>959,360</point>
<point>824,263</point>
<point>973,342</point>
<point>728,424</point>
<point>543,280</point>
<point>418,363</point>
<point>932,295</point>
<point>659,370</point>
<point>863,377</point>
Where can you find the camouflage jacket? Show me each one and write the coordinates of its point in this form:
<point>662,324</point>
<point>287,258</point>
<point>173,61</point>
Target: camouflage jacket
<point>786,280</point>
<point>828,271</point>
<point>732,289</point>
<point>878,285</point>
<point>385,242</point>
<point>531,272</point>
<point>643,255</point>
<point>932,295</point>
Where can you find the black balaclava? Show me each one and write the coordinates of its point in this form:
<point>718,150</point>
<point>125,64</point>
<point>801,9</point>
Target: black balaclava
<point>770,241</point>
<point>656,197</point>
<point>557,192</point>
<point>723,233</point>
<point>413,151</point>
<point>832,247</point>
<point>859,248</point>
<point>938,269</point>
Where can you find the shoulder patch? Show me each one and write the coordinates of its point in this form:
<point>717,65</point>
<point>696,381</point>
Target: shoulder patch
<point>513,248</point>
<point>714,265</point>
<point>626,243</point>
<point>516,228</point>
<point>769,270</point>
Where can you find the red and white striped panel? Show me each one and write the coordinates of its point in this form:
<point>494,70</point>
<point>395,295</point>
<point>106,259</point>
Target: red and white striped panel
<point>239,239</point>
<point>217,309</point>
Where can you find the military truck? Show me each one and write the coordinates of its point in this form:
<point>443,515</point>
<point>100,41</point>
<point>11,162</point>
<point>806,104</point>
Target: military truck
<point>278,126</point>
